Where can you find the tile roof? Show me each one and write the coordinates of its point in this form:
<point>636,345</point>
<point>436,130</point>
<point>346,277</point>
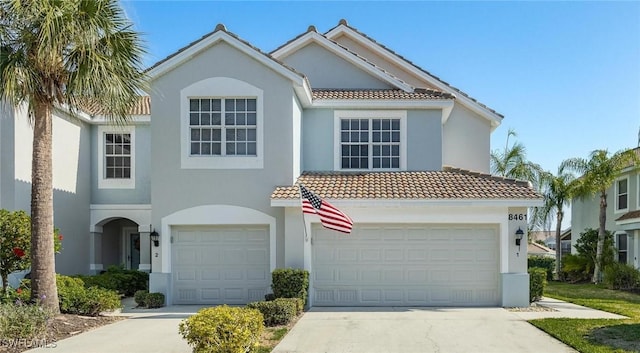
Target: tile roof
<point>344,23</point>
<point>142,107</point>
<point>629,215</point>
<point>537,249</point>
<point>383,94</point>
<point>448,184</point>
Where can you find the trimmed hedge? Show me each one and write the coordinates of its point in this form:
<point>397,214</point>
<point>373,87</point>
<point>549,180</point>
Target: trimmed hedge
<point>290,283</point>
<point>622,276</point>
<point>277,312</point>
<point>74,298</point>
<point>125,282</point>
<point>548,263</point>
<point>149,300</point>
<point>223,329</point>
<point>537,282</point>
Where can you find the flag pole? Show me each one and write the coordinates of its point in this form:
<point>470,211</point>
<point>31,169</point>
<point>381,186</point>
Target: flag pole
<point>304,224</point>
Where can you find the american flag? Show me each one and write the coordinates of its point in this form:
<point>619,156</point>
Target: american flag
<point>330,216</point>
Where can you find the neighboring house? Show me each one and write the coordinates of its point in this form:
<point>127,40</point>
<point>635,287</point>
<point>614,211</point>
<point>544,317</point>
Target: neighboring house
<point>211,162</point>
<point>623,215</point>
<point>535,249</point>
<point>565,241</point>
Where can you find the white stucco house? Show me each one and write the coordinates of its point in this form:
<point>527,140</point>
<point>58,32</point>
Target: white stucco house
<point>212,157</point>
<point>623,215</point>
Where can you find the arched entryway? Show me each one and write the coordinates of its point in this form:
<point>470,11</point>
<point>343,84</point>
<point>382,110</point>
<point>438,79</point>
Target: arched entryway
<point>121,244</point>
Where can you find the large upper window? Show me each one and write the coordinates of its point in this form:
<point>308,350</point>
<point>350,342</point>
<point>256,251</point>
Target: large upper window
<point>116,157</point>
<point>223,126</point>
<point>370,140</point>
<point>622,194</point>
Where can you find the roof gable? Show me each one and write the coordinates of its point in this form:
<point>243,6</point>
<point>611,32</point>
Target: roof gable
<point>311,36</point>
<point>220,34</point>
<point>343,29</point>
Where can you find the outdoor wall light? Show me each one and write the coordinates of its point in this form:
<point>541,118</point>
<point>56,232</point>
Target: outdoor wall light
<point>155,237</point>
<point>519,236</point>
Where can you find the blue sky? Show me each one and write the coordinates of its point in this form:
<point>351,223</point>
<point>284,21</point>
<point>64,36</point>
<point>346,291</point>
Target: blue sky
<point>566,75</point>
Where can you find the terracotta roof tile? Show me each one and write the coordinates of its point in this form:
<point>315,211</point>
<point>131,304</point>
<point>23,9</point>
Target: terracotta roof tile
<point>629,215</point>
<point>450,183</point>
<point>142,107</point>
<point>344,22</point>
<point>384,94</point>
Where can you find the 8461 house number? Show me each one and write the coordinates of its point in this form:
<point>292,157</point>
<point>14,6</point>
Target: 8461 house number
<point>517,216</point>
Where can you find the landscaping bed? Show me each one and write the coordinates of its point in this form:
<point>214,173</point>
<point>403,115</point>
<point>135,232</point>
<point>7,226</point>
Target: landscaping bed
<point>61,327</point>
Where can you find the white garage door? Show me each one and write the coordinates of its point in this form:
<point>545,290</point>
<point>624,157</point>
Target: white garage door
<point>220,265</point>
<point>407,265</point>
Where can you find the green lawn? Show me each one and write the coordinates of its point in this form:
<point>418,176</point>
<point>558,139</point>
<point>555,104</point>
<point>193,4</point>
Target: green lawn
<point>595,336</point>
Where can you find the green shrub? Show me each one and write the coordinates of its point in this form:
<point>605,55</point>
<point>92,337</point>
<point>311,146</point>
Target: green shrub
<point>537,282</point>
<point>140,297</point>
<point>299,303</point>
<point>223,329</point>
<point>277,312</point>
<point>548,263</point>
<point>76,299</point>
<point>71,293</point>
<point>149,300</point>
<point>290,283</point>
<point>622,276</point>
<point>26,322</point>
<point>154,300</point>
<point>269,297</point>
<point>576,268</point>
<point>125,282</point>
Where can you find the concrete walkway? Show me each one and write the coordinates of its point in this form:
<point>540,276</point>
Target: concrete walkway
<point>353,330</point>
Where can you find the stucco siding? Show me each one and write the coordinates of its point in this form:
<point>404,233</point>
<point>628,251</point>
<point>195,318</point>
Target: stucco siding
<point>317,139</point>
<point>6,156</point>
<point>141,193</point>
<point>71,183</point>
<point>326,70</point>
<point>382,62</point>
<point>173,188</point>
<point>424,140</point>
<point>466,140</point>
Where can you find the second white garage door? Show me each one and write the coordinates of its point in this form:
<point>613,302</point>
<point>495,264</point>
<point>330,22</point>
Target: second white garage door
<point>408,265</point>
<point>220,265</point>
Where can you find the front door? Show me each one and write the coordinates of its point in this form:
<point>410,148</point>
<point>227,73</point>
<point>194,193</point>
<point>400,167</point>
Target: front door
<point>133,253</point>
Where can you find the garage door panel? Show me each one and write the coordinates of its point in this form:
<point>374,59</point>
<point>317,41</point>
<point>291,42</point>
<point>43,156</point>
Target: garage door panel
<point>220,265</point>
<point>413,265</point>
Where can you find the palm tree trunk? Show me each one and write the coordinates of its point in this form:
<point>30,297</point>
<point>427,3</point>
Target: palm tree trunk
<point>43,277</point>
<point>559,216</point>
<point>597,271</point>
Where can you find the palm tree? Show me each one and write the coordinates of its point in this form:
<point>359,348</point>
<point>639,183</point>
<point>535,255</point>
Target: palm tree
<point>512,163</point>
<point>557,192</point>
<point>65,54</point>
<point>599,172</point>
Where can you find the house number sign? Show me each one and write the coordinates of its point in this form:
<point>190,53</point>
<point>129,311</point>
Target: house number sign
<point>517,216</point>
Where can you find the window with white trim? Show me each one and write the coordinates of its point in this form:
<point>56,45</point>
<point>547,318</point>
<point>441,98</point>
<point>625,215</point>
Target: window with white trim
<point>621,241</point>
<point>370,140</point>
<point>223,126</point>
<point>622,194</point>
<point>116,157</point>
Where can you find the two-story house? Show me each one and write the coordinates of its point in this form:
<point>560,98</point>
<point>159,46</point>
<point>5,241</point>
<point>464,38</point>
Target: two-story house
<point>201,188</point>
<point>623,215</point>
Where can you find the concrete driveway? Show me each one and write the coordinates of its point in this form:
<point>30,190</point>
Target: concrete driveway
<point>415,330</point>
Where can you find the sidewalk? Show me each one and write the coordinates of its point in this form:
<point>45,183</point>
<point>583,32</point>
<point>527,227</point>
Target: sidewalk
<point>565,310</point>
